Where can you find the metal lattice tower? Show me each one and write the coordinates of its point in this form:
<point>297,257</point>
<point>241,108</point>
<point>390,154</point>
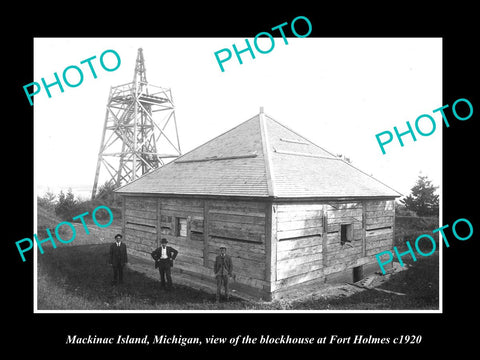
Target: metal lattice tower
<point>140,130</point>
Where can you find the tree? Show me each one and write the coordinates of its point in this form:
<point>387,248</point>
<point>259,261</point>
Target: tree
<point>423,199</point>
<point>47,201</point>
<point>67,206</point>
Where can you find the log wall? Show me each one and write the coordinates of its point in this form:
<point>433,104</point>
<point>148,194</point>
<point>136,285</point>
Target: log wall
<point>338,256</point>
<point>140,225</point>
<point>238,225</point>
<point>273,246</point>
<point>380,223</point>
<point>309,243</point>
<point>299,258</point>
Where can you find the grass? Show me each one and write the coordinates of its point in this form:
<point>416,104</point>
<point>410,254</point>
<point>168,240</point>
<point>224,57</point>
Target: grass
<point>79,278</point>
<point>419,284</point>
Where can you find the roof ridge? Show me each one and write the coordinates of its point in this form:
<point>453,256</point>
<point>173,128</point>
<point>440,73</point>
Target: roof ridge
<point>266,154</point>
<point>299,135</point>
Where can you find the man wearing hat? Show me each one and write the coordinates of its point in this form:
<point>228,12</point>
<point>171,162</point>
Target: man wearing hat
<point>223,269</point>
<point>164,256</point>
<point>118,258</point>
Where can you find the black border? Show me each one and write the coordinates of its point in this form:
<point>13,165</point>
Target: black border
<point>46,333</point>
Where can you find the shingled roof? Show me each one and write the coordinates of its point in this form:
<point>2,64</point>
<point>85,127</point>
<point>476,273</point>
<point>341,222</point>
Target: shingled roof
<point>260,158</point>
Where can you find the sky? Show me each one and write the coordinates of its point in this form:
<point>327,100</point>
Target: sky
<point>337,92</point>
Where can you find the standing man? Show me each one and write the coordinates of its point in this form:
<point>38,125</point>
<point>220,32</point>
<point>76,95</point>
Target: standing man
<point>164,256</point>
<point>223,269</point>
<point>118,258</point>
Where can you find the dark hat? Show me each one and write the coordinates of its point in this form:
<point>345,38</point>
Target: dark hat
<point>118,236</point>
<point>163,241</point>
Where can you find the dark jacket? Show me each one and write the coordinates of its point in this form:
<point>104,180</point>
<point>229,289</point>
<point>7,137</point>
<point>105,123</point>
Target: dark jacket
<point>118,254</point>
<point>157,253</point>
<point>224,262</point>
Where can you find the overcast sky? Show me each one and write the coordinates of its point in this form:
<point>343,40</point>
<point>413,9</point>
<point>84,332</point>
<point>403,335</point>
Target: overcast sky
<point>337,92</point>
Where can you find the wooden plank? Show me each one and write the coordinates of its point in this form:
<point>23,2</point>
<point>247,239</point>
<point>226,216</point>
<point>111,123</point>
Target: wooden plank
<point>256,229</point>
<point>332,238</point>
<point>248,280</point>
<point>235,233</point>
<point>342,205</point>
<point>236,218</point>
<point>273,239</point>
<point>298,207</point>
<point>300,215</point>
<point>244,260</point>
<point>241,207</point>
<point>189,250</point>
<point>343,255</point>
<point>287,245</point>
<point>144,204</point>
<point>141,221</point>
<point>373,214</point>
<point>380,226</point>
<point>380,244</point>
<point>290,234</point>
<point>206,231</point>
<point>230,244</point>
<point>254,270</point>
<point>269,247</point>
<point>384,231</point>
<point>333,228</point>
<point>240,212</point>
<point>138,253</point>
<point>332,214</point>
<point>183,242</point>
<point>379,220</point>
<point>346,264</point>
<point>297,252</point>
<point>247,255</point>
<point>296,261</point>
<point>179,214</point>
<point>196,236</point>
<point>141,247</point>
<point>376,238</point>
<point>139,227</point>
<point>325,248</point>
<point>187,258</point>
<point>338,251</point>
<point>380,205</point>
<point>285,272</point>
<point>191,210</point>
<point>144,241</point>
<point>300,278</point>
<point>167,202</point>
<point>193,268</point>
<point>299,224</point>
<point>196,225</point>
<point>141,214</point>
<point>363,231</point>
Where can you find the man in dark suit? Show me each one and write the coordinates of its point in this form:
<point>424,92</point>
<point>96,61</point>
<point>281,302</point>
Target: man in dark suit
<point>164,256</point>
<point>118,258</point>
<point>223,269</point>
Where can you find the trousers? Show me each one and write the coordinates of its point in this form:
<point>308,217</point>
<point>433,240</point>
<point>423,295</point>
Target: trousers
<point>117,273</point>
<point>222,280</point>
<point>165,272</point>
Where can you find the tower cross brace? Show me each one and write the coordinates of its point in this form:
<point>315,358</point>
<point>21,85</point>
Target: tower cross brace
<point>140,130</point>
